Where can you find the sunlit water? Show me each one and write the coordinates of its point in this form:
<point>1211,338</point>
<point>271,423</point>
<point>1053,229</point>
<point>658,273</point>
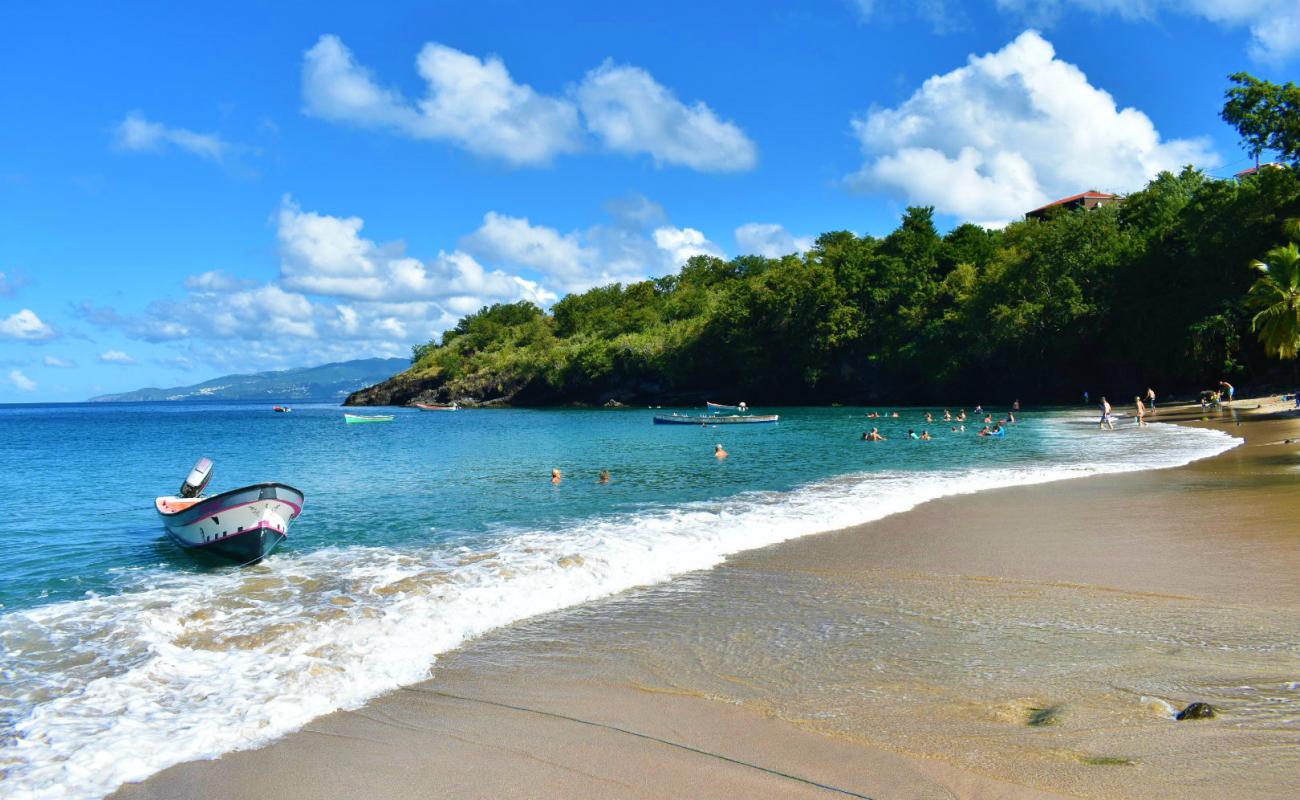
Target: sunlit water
<point>122,655</point>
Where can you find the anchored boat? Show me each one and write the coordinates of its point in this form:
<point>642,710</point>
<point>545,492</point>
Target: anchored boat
<point>243,524</point>
<point>358,419</point>
<point>720,407</point>
<point>699,419</point>
<point>436,407</point>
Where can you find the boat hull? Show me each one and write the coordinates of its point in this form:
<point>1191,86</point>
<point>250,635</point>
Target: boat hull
<point>353,419</point>
<point>243,525</point>
<point>428,407</point>
<point>754,419</point>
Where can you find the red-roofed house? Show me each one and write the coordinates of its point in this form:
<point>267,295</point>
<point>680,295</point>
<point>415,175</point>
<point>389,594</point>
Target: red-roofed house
<point>1087,200</point>
<point>1246,173</point>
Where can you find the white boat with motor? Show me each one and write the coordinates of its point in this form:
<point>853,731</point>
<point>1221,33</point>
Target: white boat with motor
<point>243,524</point>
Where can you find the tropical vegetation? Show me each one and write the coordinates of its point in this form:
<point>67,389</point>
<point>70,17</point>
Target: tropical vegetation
<point>1162,289</point>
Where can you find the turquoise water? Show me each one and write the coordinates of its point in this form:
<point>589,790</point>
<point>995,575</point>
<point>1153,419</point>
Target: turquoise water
<point>415,536</point>
<point>76,493</point>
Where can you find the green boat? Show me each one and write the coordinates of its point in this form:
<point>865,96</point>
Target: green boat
<point>359,419</point>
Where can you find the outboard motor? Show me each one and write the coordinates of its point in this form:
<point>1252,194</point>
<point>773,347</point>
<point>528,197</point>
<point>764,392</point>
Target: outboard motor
<point>197,479</point>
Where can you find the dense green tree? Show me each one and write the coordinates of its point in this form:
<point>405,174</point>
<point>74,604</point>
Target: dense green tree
<point>1266,115</point>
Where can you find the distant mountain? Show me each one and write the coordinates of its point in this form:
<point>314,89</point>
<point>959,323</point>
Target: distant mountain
<point>327,383</point>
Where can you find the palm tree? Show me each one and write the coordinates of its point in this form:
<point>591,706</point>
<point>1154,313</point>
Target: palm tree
<point>1277,294</point>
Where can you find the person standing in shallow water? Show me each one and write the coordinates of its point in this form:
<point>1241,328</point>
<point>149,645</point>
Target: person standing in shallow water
<point>1151,399</point>
<point>1141,411</point>
<point>1107,420</point>
<point>718,452</point>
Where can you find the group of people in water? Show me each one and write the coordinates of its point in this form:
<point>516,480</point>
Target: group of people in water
<point>991,427</point>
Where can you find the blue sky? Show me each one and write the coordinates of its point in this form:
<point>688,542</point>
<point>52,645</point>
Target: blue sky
<point>191,191</point>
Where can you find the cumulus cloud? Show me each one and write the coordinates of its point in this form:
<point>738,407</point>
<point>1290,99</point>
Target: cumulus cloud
<point>1274,25</point>
<point>21,382</point>
<point>682,243</point>
<point>25,326</point>
<point>326,255</point>
<point>116,357</point>
<point>1010,131</point>
<point>476,104</point>
<point>514,240</point>
<point>770,240</point>
<point>136,133</point>
<point>60,363</point>
<point>470,101</point>
<point>638,245</point>
<point>631,112</point>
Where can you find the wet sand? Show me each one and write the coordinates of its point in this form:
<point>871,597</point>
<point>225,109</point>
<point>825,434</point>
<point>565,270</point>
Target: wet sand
<point>1021,643</point>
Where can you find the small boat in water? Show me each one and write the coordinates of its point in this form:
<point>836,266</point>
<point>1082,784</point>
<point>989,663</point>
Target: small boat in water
<point>243,524</point>
<point>720,407</point>
<point>358,419</point>
<point>436,407</point>
<point>282,409</point>
<point>700,419</point>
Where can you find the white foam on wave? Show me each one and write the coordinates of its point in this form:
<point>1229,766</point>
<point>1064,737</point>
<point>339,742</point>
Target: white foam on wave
<point>198,665</point>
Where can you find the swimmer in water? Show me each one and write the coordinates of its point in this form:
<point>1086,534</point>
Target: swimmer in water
<point>718,452</point>
<point>556,476</point>
<point>873,436</point>
<point>929,417</point>
<point>911,434</point>
<point>925,436</point>
<point>604,476</point>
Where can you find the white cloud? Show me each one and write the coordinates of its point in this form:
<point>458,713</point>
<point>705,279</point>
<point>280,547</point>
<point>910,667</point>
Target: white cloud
<point>475,104</point>
<point>1010,131</point>
<point>469,101</point>
<point>682,243</point>
<point>1274,25</point>
<point>25,326</point>
<point>632,113</point>
<point>770,240</point>
<point>624,252</point>
<point>326,255</point>
<point>21,382</point>
<point>116,357</point>
<point>61,363</point>
<point>135,133</point>
<point>515,241</point>
<point>217,281</point>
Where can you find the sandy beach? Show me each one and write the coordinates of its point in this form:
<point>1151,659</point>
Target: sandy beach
<point>1027,642</point>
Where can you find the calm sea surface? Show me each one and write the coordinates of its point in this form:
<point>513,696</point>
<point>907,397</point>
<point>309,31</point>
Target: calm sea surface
<point>121,655</point>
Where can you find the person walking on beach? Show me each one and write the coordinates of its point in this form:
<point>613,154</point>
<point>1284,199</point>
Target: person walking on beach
<point>1107,421</point>
<point>718,452</point>
<point>1229,388</point>
<point>1142,412</point>
<point>1151,399</point>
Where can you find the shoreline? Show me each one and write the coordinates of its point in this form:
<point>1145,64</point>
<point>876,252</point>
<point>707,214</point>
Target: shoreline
<point>480,749</point>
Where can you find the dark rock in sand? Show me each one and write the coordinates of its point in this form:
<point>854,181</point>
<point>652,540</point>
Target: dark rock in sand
<point>1196,710</point>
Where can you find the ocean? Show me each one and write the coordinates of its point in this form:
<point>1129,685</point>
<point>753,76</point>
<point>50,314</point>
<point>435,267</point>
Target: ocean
<point>122,655</point>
